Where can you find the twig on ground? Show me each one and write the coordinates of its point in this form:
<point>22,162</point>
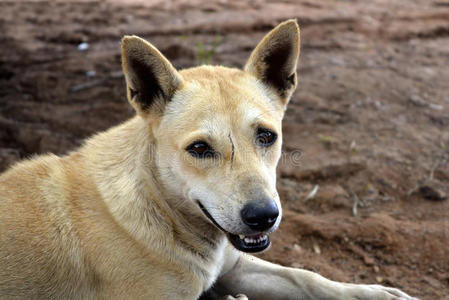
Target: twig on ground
<point>312,193</point>
<point>356,203</point>
<point>413,190</point>
<point>96,82</point>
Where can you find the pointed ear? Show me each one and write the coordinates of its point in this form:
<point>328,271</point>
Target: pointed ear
<point>150,78</point>
<point>275,58</point>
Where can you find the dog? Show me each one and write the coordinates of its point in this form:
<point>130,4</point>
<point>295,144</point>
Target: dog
<point>169,204</point>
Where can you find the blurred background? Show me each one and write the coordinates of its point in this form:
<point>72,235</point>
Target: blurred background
<point>367,202</point>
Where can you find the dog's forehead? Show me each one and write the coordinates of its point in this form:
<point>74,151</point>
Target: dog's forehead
<point>214,95</point>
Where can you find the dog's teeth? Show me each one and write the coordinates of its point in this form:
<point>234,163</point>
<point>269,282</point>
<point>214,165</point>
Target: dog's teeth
<point>253,240</point>
<point>249,240</point>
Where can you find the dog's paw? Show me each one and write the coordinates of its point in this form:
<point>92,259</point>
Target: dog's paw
<point>238,297</point>
<point>375,292</point>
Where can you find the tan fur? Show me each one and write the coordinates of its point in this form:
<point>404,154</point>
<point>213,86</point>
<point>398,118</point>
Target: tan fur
<point>119,218</point>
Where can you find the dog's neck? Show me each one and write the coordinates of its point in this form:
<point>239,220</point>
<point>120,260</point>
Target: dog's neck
<point>123,167</point>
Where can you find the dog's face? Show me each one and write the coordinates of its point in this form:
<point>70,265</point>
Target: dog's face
<point>217,130</point>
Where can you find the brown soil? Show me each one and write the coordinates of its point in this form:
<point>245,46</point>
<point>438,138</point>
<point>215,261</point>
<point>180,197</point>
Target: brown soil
<point>370,117</point>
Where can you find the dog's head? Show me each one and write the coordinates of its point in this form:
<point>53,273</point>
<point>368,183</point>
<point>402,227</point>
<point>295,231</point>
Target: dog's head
<point>217,130</point>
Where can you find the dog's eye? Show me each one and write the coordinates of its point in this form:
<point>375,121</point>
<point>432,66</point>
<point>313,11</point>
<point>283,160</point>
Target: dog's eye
<point>200,149</point>
<point>265,137</point>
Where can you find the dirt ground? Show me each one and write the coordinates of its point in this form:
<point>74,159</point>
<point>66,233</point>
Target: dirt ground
<point>370,116</point>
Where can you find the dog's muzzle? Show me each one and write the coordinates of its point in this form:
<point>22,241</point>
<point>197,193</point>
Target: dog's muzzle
<point>245,243</point>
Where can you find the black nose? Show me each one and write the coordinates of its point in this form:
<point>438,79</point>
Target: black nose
<point>260,215</point>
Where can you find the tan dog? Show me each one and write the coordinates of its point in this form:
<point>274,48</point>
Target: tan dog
<point>165,205</point>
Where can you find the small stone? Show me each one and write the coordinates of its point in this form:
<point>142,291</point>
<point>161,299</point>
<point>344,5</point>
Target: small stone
<point>368,260</point>
<point>376,269</point>
<point>83,46</point>
<point>417,100</point>
<point>91,73</point>
<point>379,279</point>
<point>431,191</point>
<point>297,248</point>
<point>316,249</point>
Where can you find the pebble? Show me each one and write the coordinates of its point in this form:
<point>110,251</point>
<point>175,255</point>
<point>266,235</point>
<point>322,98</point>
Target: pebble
<point>83,46</point>
<point>91,73</point>
<point>432,192</point>
<point>368,260</point>
<point>297,248</point>
<point>417,100</point>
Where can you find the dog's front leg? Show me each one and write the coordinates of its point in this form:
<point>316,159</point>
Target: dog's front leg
<point>259,279</point>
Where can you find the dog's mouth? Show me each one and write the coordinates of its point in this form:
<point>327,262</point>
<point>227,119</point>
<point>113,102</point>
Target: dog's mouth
<point>245,243</point>
<point>250,244</point>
